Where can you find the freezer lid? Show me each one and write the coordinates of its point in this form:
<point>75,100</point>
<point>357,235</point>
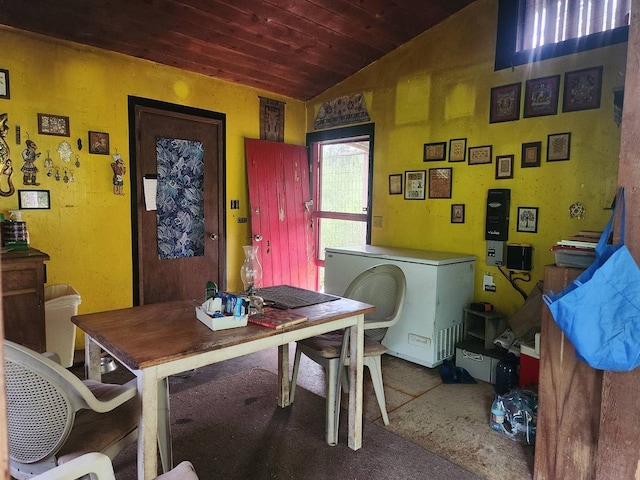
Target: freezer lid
<point>427,257</point>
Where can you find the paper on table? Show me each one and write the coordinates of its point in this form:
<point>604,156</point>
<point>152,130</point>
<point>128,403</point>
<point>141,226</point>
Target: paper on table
<point>150,186</point>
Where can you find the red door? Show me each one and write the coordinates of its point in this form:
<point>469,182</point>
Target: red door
<point>281,223</point>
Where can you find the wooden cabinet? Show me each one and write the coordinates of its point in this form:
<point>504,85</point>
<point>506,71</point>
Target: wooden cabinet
<point>569,399</point>
<point>23,278</point>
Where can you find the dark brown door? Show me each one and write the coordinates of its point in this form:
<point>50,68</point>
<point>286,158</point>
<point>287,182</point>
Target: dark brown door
<point>281,213</point>
<point>180,204</point>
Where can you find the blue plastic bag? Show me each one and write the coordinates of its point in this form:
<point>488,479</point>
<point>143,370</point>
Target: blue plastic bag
<point>599,311</point>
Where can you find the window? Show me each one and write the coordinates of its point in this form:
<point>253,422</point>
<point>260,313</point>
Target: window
<point>341,166</point>
<point>532,30</point>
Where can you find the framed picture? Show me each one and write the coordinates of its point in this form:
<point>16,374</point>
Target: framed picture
<point>34,200</point>
<point>457,149</point>
<point>531,154</point>
<point>504,166</point>
<point>505,103</point>
<point>528,219</point>
<point>99,143</point>
<point>53,125</point>
<point>480,155</point>
<point>541,96</point>
<point>414,184</point>
<point>435,151</point>
<point>395,184</point>
<point>4,83</point>
<point>440,182</point>
<point>457,213</point>
<point>558,147</point>
<point>582,89</point>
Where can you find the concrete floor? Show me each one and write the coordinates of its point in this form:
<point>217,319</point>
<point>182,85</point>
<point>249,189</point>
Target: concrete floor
<point>451,420</point>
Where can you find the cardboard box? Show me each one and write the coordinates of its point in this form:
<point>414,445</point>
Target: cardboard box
<point>477,360</point>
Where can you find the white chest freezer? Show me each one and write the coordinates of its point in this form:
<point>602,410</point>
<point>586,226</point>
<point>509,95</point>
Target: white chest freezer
<point>439,286</point>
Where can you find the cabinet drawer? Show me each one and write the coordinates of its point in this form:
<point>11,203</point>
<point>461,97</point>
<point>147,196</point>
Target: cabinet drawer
<point>13,280</point>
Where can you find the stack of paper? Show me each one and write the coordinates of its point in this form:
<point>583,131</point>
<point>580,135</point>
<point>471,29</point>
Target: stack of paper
<point>578,250</point>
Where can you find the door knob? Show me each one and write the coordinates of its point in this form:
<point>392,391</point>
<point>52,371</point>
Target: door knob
<point>257,238</point>
<point>213,236</point>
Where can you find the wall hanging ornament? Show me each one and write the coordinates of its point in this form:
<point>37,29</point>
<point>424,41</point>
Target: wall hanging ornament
<point>6,169</point>
<point>64,150</point>
<point>118,174</point>
<point>77,164</point>
<point>29,169</point>
<point>48,164</point>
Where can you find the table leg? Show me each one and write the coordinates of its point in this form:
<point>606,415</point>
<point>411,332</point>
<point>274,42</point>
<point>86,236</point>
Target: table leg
<point>148,425</point>
<point>283,375</point>
<point>164,426</point>
<point>92,359</point>
<point>356,364</point>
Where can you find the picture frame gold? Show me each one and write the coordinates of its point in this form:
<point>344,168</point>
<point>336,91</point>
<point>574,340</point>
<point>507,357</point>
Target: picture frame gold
<point>440,180</point>
<point>480,155</point>
<point>49,124</point>
<point>457,149</point>
<point>504,166</point>
<point>435,151</point>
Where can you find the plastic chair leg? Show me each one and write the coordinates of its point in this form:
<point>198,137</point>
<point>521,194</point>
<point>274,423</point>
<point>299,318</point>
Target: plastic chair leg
<point>375,369</point>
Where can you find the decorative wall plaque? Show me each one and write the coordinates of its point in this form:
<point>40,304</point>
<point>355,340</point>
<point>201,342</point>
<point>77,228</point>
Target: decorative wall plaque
<point>271,119</point>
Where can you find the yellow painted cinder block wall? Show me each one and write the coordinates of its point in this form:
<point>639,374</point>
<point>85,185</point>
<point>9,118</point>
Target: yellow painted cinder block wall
<point>437,87</point>
<point>87,231</point>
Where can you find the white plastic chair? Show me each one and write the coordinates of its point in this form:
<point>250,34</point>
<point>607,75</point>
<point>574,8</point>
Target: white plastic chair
<point>53,416</point>
<point>385,287</point>
<point>99,467</point>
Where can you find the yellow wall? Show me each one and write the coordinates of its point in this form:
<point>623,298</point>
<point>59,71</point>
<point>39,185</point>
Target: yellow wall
<point>436,88</point>
<point>87,232</point>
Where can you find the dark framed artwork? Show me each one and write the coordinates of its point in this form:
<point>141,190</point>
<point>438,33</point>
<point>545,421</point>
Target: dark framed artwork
<point>435,151</point>
<point>582,89</point>
<point>480,155</point>
<point>528,219</point>
<point>34,200</point>
<point>440,180</point>
<point>531,154</point>
<point>414,184</point>
<point>395,184</point>
<point>4,84</point>
<point>504,166</point>
<point>505,103</point>
<point>558,147</point>
<point>457,149</point>
<point>541,96</point>
<point>53,125</point>
<point>457,213</point>
<point>99,143</point>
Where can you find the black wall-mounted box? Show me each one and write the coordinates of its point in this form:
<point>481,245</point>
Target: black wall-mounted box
<point>519,257</point>
<point>497,217</point>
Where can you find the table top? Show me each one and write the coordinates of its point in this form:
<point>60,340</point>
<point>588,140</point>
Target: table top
<point>148,335</point>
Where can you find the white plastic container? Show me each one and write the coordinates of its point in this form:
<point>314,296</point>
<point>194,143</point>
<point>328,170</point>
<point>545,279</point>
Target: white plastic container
<point>60,304</point>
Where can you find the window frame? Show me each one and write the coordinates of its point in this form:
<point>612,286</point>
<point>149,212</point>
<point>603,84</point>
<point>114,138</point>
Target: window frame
<point>509,17</point>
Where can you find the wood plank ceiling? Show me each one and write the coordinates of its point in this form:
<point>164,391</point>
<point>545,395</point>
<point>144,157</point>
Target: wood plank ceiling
<point>295,48</point>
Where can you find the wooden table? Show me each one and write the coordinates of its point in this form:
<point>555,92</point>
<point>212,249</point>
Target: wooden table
<point>158,340</point>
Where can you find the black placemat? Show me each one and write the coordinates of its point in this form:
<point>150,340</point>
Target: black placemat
<point>286,296</point>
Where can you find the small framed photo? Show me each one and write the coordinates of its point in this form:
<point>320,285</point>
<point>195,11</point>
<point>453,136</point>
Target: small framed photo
<point>435,151</point>
<point>531,154</point>
<point>440,182</point>
<point>395,184</point>
<point>4,84</point>
<point>582,89</point>
<point>414,184</point>
<point>480,155</point>
<point>99,143</point>
<point>457,149</point>
<point>505,103</point>
<point>53,125</point>
<point>457,213</point>
<point>541,96</point>
<point>34,200</point>
<point>558,147</point>
<point>504,166</point>
<point>528,219</point>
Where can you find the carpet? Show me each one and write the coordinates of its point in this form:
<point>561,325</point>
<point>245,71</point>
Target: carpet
<point>232,428</point>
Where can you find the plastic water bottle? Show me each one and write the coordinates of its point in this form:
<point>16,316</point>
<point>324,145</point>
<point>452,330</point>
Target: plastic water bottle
<point>507,374</point>
<point>497,415</point>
